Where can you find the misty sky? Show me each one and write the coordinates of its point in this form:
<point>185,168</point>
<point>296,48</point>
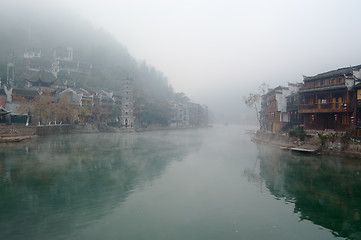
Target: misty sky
<point>217,51</point>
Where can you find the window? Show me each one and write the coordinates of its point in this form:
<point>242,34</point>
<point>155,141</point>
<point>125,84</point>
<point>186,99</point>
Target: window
<point>345,120</point>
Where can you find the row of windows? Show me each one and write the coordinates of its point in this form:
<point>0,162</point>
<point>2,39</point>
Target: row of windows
<point>324,82</point>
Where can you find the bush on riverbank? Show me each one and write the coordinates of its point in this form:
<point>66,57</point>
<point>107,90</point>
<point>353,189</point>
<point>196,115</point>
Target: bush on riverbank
<point>298,132</point>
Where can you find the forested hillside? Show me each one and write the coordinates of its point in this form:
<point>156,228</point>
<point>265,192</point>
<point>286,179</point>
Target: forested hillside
<point>105,60</point>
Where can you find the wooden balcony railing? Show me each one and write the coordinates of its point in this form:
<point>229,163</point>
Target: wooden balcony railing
<point>328,107</point>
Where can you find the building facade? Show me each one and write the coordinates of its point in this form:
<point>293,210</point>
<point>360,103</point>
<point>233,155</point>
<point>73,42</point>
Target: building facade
<point>327,100</point>
<point>274,114</point>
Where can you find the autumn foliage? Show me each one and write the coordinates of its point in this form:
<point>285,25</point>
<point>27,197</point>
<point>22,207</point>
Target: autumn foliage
<point>45,109</point>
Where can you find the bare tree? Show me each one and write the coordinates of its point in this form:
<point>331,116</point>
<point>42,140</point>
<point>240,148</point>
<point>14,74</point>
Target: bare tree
<point>63,109</point>
<point>43,107</point>
<point>254,98</point>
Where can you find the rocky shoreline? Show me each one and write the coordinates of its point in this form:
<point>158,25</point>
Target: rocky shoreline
<point>315,143</point>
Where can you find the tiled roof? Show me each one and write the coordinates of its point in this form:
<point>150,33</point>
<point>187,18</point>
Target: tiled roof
<point>26,92</point>
<point>333,73</point>
<point>42,76</point>
<point>323,88</point>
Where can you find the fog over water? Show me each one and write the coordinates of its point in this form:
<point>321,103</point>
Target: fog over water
<point>218,51</point>
<point>205,183</point>
<point>193,184</point>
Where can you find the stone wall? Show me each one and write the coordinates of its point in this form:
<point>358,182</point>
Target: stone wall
<point>53,129</point>
<point>17,130</point>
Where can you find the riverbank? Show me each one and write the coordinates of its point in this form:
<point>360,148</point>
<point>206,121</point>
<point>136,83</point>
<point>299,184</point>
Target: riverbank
<point>15,130</point>
<point>326,144</point>
<point>17,133</point>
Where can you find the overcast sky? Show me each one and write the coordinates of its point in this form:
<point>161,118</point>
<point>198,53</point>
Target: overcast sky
<point>217,51</point>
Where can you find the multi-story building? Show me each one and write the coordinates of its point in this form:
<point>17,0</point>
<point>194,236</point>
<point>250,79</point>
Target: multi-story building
<point>274,115</point>
<point>179,114</point>
<point>356,120</point>
<point>327,100</point>
<point>293,101</point>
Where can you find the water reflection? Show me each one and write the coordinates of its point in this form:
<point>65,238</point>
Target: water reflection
<point>325,190</point>
<point>53,185</point>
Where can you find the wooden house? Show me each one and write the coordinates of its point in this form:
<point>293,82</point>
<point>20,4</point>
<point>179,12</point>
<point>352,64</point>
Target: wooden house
<point>293,101</point>
<point>327,100</point>
<point>274,116</point>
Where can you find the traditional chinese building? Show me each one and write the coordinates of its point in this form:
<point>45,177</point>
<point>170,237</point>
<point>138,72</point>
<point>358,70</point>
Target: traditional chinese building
<point>274,115</point>
<point>327,100</point>
<point>357,115</point>
<point>127,111</point>
<point>41,79</point>
<point>293,101</point>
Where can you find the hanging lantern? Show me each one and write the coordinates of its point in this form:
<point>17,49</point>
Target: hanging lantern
<point>336,117</point>
<point>345,107</point>
<point>313,117</point>
<point>352,119</point>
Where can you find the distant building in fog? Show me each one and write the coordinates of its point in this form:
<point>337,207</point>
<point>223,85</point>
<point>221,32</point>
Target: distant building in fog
<point>127,103</point>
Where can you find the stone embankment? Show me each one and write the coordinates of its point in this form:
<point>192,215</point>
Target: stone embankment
<point>327,144</point>
<point>16,130</point>
<point>282,140</point>
<point>16,133</point>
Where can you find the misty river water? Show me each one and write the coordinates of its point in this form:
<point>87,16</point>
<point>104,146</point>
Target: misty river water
<point>209,183</point>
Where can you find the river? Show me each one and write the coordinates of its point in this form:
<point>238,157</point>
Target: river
<point>209,183</point>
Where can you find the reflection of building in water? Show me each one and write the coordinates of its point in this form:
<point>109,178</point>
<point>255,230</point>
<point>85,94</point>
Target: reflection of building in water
<point>73,179</point>
<point>325,191</point>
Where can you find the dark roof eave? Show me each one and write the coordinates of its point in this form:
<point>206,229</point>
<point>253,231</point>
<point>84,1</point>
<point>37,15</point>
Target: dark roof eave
<point>323,89</point>
<point>333,73</point>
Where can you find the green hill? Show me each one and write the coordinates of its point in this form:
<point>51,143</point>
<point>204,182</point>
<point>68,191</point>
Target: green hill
<point>99,60</point>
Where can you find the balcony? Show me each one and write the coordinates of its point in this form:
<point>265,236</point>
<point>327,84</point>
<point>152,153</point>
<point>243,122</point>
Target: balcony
<point>325,107</point>
<point>292,107</point>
